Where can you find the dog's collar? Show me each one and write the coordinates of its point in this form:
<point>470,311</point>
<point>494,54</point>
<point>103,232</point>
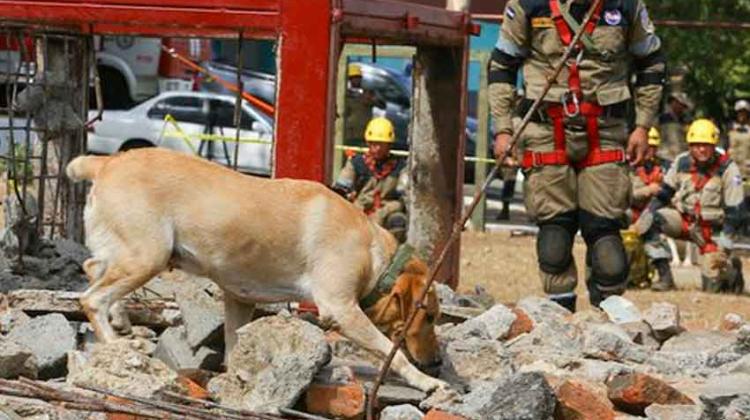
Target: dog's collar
<point>388,278</point>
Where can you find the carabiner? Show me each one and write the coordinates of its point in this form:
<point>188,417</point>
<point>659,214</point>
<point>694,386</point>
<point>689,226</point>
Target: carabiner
<point>576,104</point>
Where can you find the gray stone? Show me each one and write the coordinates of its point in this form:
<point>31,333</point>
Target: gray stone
<point>718,393</point>
<point>49,337</point>
<point>493,324</point>
<point>389,394</point>
<point>620,310</point>
<point>703,340</point>
<point>118,367</point>
<point>664,319</point>
<point>739,408</point>
<point>16,360</point>
<point>401,412</point>
<point>542,310</point>
<point>640,333</point>
<point>598,370</point>
<point>743,340</point>
<point>740,366</point>
<point>473,360</point>
<point>610,342</point>
<point>174,350</point>
<point>202,316</point>
<point>273,362</point>
<point>11,318</point>
<point>523,396</point>
<point>674,412</point>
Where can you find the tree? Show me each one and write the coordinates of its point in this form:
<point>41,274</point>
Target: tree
<point>716,61</point>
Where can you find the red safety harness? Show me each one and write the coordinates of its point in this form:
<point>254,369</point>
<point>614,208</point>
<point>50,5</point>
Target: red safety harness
<point>589,110</point>
<point>688,220</point>
<point>379,174</point>
<point>656,175</point>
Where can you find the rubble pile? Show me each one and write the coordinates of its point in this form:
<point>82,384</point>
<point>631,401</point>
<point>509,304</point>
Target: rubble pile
<point>534,360</point>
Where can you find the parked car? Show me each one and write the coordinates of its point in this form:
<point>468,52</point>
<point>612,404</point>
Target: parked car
<point>196,113</point>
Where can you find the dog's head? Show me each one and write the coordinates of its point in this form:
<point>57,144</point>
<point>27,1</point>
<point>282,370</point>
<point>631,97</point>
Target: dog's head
<point>391,311</point>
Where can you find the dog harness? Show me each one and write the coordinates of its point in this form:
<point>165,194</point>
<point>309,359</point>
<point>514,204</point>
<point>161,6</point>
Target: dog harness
<point>388,278</point>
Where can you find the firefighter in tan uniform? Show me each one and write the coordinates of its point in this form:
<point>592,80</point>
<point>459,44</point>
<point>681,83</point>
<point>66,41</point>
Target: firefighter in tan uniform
<point>374,181</point>
<point>573,151</point>
<point>705,187</point>
<point>646,182</point>
<point>739,139</point>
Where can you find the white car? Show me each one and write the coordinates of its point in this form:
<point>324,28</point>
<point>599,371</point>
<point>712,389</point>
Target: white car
<point>203,125</point>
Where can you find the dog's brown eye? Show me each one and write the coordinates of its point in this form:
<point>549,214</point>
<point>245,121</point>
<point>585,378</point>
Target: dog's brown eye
<point>430,318</point>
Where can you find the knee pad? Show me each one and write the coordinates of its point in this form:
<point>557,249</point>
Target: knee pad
<point>609,262</point>
<point>397,220</point>
<point>554,248</point>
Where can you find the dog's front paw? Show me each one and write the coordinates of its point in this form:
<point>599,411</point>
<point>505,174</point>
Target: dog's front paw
<point>434,385</point>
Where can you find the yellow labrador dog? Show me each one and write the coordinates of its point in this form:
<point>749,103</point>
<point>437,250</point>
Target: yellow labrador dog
<point>260,240</point>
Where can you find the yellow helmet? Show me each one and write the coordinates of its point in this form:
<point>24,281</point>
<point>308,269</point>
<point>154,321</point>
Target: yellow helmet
<point>703,131</point>
<point>654,139</point>
<point>380,129</point>
<point>354,70</point>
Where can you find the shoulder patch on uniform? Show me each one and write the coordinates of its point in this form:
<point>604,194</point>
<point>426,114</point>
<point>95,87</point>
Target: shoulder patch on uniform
<point>542,22</point>
<point>737,180</point>
<point>612,17</point>
<point>510,13</point>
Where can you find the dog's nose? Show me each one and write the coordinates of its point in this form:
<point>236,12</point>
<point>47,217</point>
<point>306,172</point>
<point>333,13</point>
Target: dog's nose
<point>432,368</point>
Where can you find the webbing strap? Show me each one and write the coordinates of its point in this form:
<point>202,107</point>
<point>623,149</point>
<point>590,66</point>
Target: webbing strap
<point>565,32</point>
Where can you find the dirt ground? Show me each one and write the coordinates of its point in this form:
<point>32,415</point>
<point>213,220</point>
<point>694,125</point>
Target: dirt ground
<point>506,267</point>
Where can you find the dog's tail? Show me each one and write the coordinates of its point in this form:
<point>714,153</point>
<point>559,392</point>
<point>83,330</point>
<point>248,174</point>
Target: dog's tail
<point>85,167</point>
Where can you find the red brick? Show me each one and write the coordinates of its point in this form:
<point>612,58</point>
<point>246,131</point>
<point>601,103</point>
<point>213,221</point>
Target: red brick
<point>522,324</point>
<point>347,401</point>
<point>436,414</point>
<point>633,392</point>
<point>579,401</point>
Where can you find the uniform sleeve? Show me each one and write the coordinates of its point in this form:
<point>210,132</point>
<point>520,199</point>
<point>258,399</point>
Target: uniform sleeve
<point>667,191</point>
<point>507,57</point>
<point>347,177</point>
<point>733,195</point>
<point>641,192</point>
<point>650,66</point>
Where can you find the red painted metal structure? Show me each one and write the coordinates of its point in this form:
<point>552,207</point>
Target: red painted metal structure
<point>310,35</point>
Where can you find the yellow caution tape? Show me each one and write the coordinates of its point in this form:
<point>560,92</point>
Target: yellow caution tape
<point>179,133</point>
<point>405,153</point>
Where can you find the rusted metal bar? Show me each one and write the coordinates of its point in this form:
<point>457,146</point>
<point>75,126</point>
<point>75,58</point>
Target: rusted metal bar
<point>458,226</point>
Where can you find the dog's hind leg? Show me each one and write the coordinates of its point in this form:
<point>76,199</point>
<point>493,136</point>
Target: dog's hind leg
<point>94,269</point>
<point>115,283</point>
<point>355,325</point>
<point>236,314</point>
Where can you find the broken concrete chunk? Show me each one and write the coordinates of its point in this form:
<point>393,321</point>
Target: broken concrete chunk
<point>523,396</point>
<point>473,360</point>
<point>691,341</point>
<point>11,318</point>
<point>620,310</point>
<point>610,342</point>
<point>273,362</point>
<point>202,316</point>
<point>664,319</point>
<point>174,350</point>
<point>16,360</point>
<point>640,333</point>
<point>674,412</point>
<point>401,412</point>
<point>719,392</point>
<point>542,310</point>
<point>49,338</point>
<point>493,324</point>
<point>118,367</point>
<point>731,322</point>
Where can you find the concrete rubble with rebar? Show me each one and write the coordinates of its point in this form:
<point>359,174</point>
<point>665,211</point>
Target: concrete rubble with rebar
<point>534,360</point>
